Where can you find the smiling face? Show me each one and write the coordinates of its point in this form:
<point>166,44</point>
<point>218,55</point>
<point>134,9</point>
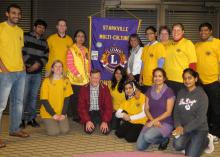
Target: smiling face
<point>151,35</point>
<point>205,33</point>
<point>57,69</point>
<point>118,75</point>
<point>95,79</point>
<point>61,27</point>
<point>189,80</point>
<point>14,15</point>
<point>129,90</point>
<point>134,42</point>
<point>164,35</point>
<point>158,78</point>
<point>39,30</point>
<point>80,38</point>
<point>177,32</point>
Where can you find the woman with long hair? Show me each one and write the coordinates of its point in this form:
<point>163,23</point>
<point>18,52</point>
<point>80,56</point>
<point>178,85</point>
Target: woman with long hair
<point>54,98</point>
<point>190,117</point>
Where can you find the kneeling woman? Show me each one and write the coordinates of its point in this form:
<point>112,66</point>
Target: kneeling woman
<point>159,106</point>
<point>54,98</point>
<point>131,111</point>
<point>191,128</point>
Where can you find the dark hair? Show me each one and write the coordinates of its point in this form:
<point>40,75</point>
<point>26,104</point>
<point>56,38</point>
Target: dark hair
<point>151,28</point>
<point>131,82</point>
<point>194,74</point>
<point>178,24</point>
<point>64,20</point>
<point>137,37</point>
<point>164,28</point>
<point>205,25</point>
<point>13,6</point>
<point>40,22</point>
<point>94,71</point>
<point>162,71</point>
<point>78,31</point>
<point>121,83</point>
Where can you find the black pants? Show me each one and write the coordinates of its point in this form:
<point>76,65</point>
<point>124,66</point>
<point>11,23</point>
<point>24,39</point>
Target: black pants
<point>115,122</point>
<point>137,77</point>
<point>175,86</point>
<point>96,120</point>
<point>213,92</point>
<point>73,107</point>
<point>129,131</point>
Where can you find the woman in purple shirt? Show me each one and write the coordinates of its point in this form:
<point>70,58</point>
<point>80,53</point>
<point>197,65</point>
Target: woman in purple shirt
<point>159,106</point>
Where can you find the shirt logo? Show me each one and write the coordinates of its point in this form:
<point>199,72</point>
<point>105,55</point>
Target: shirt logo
<point>208,53</point>
<point>151,55</point>
<point>188,103</point>
<point>178,50</point>
<point>137,105</point>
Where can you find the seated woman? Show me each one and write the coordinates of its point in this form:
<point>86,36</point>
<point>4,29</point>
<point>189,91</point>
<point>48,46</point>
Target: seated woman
<point>131,111</point>
<point>191,128</point>
<point>117,93</point>
<point>54,97</point>
<point>159,106</point>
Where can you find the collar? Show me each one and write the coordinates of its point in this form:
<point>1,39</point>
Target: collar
<point>135,50</point>
<point>152,43</point>
<point>34,35</point>
<point>60,35</point>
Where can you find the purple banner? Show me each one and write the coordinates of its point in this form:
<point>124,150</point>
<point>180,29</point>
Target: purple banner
<point>109,43</point>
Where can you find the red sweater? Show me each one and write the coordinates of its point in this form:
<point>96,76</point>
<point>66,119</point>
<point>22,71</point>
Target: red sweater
<point>105,103</point>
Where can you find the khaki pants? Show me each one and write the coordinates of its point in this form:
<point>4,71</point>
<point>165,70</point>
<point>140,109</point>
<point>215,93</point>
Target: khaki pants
<point>54,127</point>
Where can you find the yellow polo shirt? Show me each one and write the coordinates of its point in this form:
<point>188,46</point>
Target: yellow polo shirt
<point>208,58</point>
<point>11,43</point>
<point>178,57</point>
<point>58,49</point>
<point>133,107</point>
<point>55,92</point>
<point>117,97</point>
<point>150,56</point>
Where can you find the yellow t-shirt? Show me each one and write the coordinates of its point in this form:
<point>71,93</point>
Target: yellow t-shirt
<point>58,49</point>
<point>55,92</point>
<point>11,43</point>
<point>117,97</point>
<point>208,58</point>
<point>134,106</point>
<point>178,57</point>
<point>150,56</point>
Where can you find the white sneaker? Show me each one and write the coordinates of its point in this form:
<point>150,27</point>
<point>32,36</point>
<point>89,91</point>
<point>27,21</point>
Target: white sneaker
<point>210,147</point>
<point>183,151</point>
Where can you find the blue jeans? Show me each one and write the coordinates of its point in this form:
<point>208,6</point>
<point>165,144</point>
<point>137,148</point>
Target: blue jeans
<point>194,143</point>
<point>12,84</point>
<point>32,85</point>
<point>151,136</point>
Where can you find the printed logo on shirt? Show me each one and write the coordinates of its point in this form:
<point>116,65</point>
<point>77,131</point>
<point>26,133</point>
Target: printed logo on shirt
<point>187,102</point>
<point>151,55</point>
<point>178,50</point>
<point>208,53</point>
<point>137,105</point>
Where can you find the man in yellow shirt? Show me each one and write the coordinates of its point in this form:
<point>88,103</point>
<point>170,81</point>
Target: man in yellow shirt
<point>12,73</point>
<point>58,44</point>
<point>208,55</point>
<point>180,54</point>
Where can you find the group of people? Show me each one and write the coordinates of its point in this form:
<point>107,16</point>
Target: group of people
<point>170,86</point>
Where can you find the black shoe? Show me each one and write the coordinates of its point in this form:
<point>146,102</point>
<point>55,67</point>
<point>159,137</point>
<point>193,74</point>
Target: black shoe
<point>33,123</point>
<point>164,144</point>
<point>22,125</point>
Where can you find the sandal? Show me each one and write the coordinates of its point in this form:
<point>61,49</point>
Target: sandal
<point>21,134</point>
<point>2,145</point>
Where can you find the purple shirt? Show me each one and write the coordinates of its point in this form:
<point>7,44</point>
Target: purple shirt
<point>158,102</point>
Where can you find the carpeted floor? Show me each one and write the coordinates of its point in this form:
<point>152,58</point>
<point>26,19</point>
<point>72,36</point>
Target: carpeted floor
<point>75,143</point>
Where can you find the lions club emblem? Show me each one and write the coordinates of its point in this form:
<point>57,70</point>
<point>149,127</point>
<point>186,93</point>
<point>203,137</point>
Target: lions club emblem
<point>112,58</point>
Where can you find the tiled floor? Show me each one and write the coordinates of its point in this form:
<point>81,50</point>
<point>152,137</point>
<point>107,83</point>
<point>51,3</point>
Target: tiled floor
<point>76,142</point>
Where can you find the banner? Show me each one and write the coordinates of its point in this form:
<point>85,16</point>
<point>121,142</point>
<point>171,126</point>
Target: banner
<point>109,43</point>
